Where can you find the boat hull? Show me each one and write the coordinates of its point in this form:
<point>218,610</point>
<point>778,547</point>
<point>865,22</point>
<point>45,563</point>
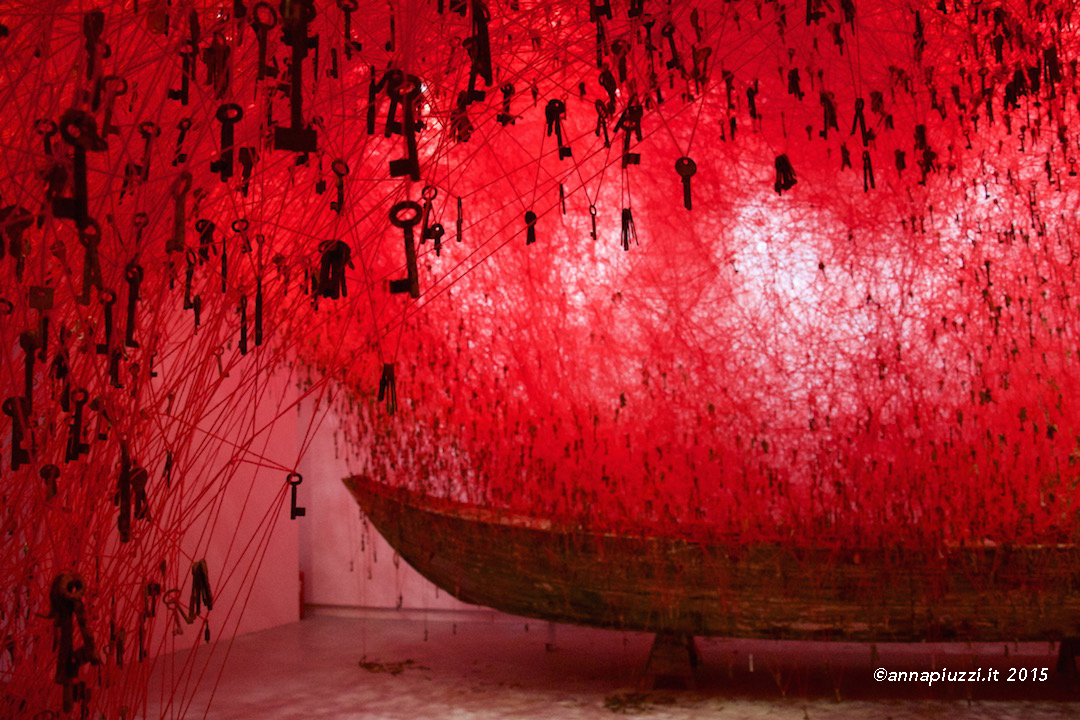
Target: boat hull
<point>526,566</point>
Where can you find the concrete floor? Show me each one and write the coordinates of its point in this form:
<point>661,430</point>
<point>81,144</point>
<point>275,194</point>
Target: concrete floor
<point>387,665</point>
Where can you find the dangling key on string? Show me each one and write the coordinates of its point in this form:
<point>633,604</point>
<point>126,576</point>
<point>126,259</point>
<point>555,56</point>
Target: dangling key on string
<point>530,222</point>
<point>686,169</point>
<point>294,510</point>
<point>406,215</point>
<point>388,388</point>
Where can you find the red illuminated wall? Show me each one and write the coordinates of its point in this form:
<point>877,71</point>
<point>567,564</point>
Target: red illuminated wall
<point>863,332</point>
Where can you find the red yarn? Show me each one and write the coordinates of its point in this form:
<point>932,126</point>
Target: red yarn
<point>863,333</point>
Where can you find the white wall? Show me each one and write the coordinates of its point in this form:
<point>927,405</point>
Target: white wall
<point>234,486</point>
<point>345,565</point>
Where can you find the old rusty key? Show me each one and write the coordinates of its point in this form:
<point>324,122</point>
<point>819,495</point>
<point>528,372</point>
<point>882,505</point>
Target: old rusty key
<point>348,7</point>
<point>107,298</point>
<point>76,446</point>
<point>18,409</point>
<point>228,115</point>
<point>686,169</point>
<point>263,19</point>
<point>179,191</point>
<point>296,18</point>
<point>149,130</point>
<point>183,126</point>
<point>115,86</point>
<point>406,93</point>
<point>340,169</point>
<point>188,52</point>
<point>407,215</point>
<point>134,275</point>
<point>47,129</point>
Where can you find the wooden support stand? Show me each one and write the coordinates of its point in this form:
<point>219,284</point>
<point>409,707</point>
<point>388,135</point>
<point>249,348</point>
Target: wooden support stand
<point>671,663</point>
<point>1066,659</point>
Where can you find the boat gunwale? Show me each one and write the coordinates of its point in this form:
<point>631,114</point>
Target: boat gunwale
<point>451,508</point>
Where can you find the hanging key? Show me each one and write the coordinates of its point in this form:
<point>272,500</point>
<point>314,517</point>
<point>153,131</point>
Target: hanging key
<point>107,298</point>
<point>50,474</point>
<point>180,188</point>
<point>17,408</point>
<point>216,61</point>
<point>620,49</point>
<point>592,218</point>
<point>263,19</point>
<point>333,71</point>
<point>607,81</point>
<point>630,124</point>
<point>224,263</point>
<point>460,222</point>
<point>392,81</point>
<point>183,126</point>
<point>40,298</point>
<point>79,130</point>
<point>200,590</point>
<point>140,503</point>
<point>373,96</point>
<point>90,238</point>
<point>530,224</point>
<point>219,353</point>
<point>506,117</point>
<point>295,18</point>
<point>228,115</point>
<point>114,368</point>
<point>47,129</point>
<point>868,172</point>
<point>240,227</point>
<point>205,228</point>
<point>243,325</point>
<point>406,215</point>
<point>258,311</point>
<point>650,48</point>
<point>340,169</point>
<point>686,169</point>
<point>115,86</point>
<point>247,162</point>
<point>76,446</point>
<point>59,370</point>
<point>388,388</point>
<point>122,498</point>
<point>668,31</point>
<point>134,275</point>
<point>701,67</point>
<point>29,344</point>
<point>348,7</point>
<point>429,193</point>
<point>436,232</point>
<point>15,221</point>
<point>478,46</point>
<point>407,93</point>
<point>294,480</point>
<point>554,112</point>
<point>629,230</point>
<point>188,51</point>
<point>96,51</point>
<point>149,130</point>
<point>192,260</point>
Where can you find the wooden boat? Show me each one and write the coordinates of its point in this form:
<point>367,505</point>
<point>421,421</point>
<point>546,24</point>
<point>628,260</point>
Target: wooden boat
<point>527,566</point>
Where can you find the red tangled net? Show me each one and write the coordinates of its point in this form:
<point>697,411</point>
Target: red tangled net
<point>712,268</point>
